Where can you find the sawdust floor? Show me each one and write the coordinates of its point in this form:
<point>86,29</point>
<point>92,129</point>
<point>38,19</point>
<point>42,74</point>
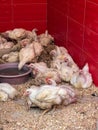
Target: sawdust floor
<point>82,115</point>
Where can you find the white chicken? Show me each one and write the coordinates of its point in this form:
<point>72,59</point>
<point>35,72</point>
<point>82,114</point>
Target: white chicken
<point>37,48</point>
<point>61,55</point>
<point>38,67</point>
<point>82,78</point>
<point>45,38</point>
<point>1,45</point>
<point>29,52</point>
<point>57,62</point>
<point>26,55</point>
<point>53,74</point>
<point>67,70</point>
<point>6,45</point>
<point>11,57</point>
<point>47,96</point>
<point>9,90</point>
<point>24,42</point>
<point>2,40</point>
<point>58,51</point>
<point>31,34</point>
<point>3,96</point>
<point>63,62</point>
<point>17,33</point>
<point>48,73</point>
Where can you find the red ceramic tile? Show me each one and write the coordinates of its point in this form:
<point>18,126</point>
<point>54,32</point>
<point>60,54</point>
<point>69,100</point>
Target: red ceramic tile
<point>75,33</point>
<point>29,1</point>
<point>91,44</point>
<point>61,6</point>
<point>92,16</point>
<point>5,2</point>
<point>76,10</point>
<point>60,43</point>
<point>6,26</point>
<point>94,1</point>
<point>5,13</point>
<point>94,72</point>
<point>41,26</point>
<point>30,12</point>
<point>57,24</point>
<point>75,52</point>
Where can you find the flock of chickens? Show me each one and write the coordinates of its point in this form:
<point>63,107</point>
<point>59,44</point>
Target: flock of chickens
<point>54,71</point>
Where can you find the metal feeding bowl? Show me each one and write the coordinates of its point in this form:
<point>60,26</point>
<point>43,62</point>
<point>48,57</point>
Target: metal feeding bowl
<point>9,73</point>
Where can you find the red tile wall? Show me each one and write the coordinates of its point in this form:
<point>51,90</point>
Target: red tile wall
<point>74,24</point>
<point>27,14</point>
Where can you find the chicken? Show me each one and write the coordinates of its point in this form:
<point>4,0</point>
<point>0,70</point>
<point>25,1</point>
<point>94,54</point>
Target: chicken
<point>26,55</point>
<point>6,45</point>
<point>48,73</point>
<point>47,96</point>
<point>82,78</point>
<point>58,51</point>
<point>17,33</point>
<point>50,81</point>
<point>67,70</point>
<point>38,67</point>
<point>53,74</point>
<point>45,55</point>
<point>41,72</point>
<point>11,57</point>
<point>63,62</point>
<point>24,42</point>
<point>9,90</point>
<point>45,39</point>
<point>31,34</point>
<point>2,40</point>
<point>34,34</point>
<point>1,45</point>
<point>37,48</point>
<point>60,55</point>
<point>57,62</point>
<point>3,96</point>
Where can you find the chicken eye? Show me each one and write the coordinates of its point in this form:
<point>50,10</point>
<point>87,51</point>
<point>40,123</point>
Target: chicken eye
<point>27,93</point>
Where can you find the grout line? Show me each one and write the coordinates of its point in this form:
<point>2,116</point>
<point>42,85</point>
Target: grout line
<point>83,51</point>
<point>29,4</point>
<point>12,12</point>
<point>53,7</point>
<point>67,36</point>
<point>92,2</point>
<point>84,28</point>
<point>75,21</point>
<point>84,24</point>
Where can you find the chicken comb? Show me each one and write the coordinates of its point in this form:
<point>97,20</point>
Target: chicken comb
<point>48,78</point>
